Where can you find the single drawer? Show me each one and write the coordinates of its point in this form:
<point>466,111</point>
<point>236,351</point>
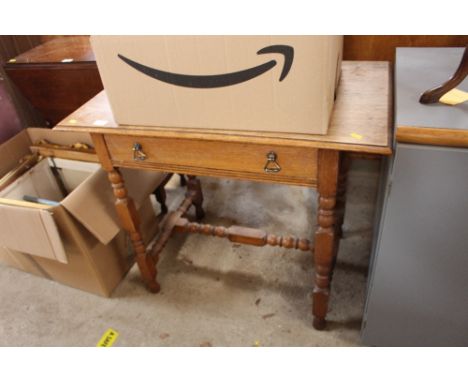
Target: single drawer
<point>281,164</point>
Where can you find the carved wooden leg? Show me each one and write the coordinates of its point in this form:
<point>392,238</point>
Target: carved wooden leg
<point>129,219</point>
<point>325,235</point>
<point>194,189</point>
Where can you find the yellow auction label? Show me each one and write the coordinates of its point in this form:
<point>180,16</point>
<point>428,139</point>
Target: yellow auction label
<point>108,338</point>
<point>454,97</point>
<point>356,136</point>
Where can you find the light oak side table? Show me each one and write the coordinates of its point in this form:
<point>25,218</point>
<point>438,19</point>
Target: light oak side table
<point>360,124</point>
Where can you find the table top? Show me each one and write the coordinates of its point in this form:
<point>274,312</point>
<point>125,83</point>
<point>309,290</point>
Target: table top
<point>57,51</point>
<point>361,120</point>
<point>420,69</point>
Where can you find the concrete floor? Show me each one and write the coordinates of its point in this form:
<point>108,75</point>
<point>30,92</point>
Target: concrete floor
<point>214,293</point>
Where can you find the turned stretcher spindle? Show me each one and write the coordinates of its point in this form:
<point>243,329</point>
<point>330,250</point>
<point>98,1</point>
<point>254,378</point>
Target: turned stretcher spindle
<point>243,235</point>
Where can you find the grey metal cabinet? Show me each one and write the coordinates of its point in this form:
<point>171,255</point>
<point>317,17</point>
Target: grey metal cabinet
<point>418,281</point>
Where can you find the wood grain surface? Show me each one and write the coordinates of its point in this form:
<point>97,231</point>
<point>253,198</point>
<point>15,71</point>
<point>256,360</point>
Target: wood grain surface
<point>56,77</point>
<point>201,157</point>
<point>360,121</point>
<point>432,136</point>
<point>55,50</point>
<point>382,48</point>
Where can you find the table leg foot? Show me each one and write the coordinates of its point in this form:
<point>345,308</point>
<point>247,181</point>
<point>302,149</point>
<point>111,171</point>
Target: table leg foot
<point>153,286</point>
<point>319,323</point>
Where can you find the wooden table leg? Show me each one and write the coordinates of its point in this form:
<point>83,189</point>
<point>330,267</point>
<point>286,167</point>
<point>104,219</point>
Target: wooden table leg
<point>128,216</point>
<point>326,233</point>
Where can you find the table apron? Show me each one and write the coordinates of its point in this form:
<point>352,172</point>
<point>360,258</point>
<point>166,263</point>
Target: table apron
<point>298,166</point>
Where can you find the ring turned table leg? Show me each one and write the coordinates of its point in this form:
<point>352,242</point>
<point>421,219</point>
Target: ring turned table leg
<point>128,215</point>
<point>326,233</point>
<point>129,219</point>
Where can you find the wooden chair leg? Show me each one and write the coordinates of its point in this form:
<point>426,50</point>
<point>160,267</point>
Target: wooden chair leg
<point>195,190</point>
<point>434,95</point>
<point>160,194</point>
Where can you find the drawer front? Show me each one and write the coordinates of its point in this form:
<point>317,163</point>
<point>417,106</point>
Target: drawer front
<point>260,162</point>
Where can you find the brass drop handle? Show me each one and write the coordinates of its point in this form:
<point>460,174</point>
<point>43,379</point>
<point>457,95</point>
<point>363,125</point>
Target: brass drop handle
<point>138,153</point>
<point>272,165</point>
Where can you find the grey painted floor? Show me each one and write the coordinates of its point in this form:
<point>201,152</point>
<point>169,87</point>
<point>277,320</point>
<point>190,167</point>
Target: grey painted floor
<point>214,293</point>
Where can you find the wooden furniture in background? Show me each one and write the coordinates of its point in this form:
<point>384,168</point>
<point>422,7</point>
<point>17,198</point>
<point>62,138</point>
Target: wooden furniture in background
<point>433,95</point>
<point>56,89</point>
<point>15,111</point>
<point>382,48</point>
<point>418,284</point>
<point>360,124</point>
<point>57,76</point>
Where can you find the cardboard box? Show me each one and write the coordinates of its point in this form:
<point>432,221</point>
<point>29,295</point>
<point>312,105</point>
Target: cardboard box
<point>77,242</point>
<point>261,83</point>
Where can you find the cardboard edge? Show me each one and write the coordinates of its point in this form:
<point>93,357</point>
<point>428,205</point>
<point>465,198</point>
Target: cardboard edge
<point>54,236</point>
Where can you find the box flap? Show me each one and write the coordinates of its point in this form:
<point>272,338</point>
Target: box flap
<point>36,224</point>
<point>13,150</point>
<point>92,202</point>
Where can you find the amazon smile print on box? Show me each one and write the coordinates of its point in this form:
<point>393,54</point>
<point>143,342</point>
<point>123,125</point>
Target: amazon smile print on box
<point>260,83</point>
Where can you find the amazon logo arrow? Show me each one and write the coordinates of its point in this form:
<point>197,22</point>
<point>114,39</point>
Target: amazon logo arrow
<point>218,80</point>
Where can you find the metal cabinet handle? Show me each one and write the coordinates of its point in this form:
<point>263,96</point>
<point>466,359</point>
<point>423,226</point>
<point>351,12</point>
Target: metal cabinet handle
<point>138,153</point>
<point>272,165</point>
